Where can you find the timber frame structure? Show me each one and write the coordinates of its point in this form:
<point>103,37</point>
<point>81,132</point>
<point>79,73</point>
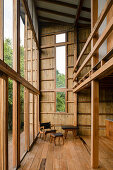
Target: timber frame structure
<point>87,75</point>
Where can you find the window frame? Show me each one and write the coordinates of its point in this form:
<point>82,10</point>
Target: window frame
<point>61,89</point>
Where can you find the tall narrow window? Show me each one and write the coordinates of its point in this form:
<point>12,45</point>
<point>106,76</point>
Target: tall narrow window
<point>60,67</point>
<point>60,73</point>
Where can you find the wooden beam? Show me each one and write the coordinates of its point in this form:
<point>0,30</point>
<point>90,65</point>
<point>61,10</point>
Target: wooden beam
<point>1,29</point>
<point>27,130</point>
<point>62,14</point>
<point>16,85</point>
<point>55,12</point>
<point>25,4</point>
<point>4,68</point>
<point>75,94</point>
<point>4,123</point>
<point>36,115</point>
<point>100,41</point>
<point>94,124</point>
<point>96,27</point>
<point>3,100</point>
<point>54,20</point>
<point>94,95</point>
<point>78,12</point>
<point>65,4</point>
<point>103,71</point>
<point>84,19</point>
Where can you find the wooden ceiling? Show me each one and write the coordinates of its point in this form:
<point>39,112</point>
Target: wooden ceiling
<point>71,12</point>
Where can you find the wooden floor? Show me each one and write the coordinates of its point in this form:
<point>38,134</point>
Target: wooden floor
<point>73,155</point>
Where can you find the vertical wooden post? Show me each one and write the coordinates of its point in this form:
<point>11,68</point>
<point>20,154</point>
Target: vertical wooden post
<point>4,123</point>
<point>3,101</point>
<point>36,115</point>
<point>27,142</point>
<point>33,120</point>
<point>94,97</point>
<point>75,94</point>
<point>66,73</point>
<point>16,85</point>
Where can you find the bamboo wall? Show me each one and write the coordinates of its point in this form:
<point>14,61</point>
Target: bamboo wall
<point>47,76</point>
<point>84,96</point>
<point>48,89</point>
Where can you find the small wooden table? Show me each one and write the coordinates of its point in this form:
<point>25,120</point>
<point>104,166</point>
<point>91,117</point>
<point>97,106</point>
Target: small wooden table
<point>56,135</point>
<point>70,128</point>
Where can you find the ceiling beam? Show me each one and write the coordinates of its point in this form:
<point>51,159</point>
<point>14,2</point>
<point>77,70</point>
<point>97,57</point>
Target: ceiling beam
<point>54,20</point>
<point>84,19</point>
<point>78,11</point>
<point>65,4</point>
<point>55,12</point>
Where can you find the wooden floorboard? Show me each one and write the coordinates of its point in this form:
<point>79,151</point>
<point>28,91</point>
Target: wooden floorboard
<point>73,155</point>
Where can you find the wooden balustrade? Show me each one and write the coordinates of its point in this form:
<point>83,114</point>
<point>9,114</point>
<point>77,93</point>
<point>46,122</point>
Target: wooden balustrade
<point>98,44</point>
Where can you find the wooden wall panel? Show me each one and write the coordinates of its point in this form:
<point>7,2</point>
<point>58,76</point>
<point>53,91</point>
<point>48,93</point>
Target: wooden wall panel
<point>48,73</point>
<point>47,96</point>
<point>47,64</point>
<point>48,52</point>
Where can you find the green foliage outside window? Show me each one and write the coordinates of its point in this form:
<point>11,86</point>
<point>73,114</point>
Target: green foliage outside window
<point>60,102</point>
<point>60,80</point>
<point>60,96</point>
<point>8,58</point>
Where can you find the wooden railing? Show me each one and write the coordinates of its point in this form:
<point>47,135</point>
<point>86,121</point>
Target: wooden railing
<point>98,44</point>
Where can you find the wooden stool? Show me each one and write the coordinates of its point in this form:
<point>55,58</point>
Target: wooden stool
<point>53,136</point>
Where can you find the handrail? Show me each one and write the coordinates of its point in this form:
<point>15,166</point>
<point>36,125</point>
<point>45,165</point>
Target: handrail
<point>4,68</point>
<point>100,41</point>
<point>105,10</point>
<point>107,57</point>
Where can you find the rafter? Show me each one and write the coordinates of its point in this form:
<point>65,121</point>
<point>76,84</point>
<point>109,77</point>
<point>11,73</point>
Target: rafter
<point>54,20</point>
<point>62,14</point>
<point>78,11</point>
<point>55,12</point>
<point>66,4</point>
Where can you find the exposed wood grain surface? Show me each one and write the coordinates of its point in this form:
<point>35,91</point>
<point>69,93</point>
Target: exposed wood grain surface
<point>73,155</point>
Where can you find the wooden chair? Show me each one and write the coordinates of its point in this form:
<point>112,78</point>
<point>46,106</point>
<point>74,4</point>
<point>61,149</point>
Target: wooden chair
<point>46,128</point>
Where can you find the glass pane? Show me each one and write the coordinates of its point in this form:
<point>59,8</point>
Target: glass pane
<point>22,132</point>
<point>60,102</point>
<point>8,32</point>
<point>60,67</point>
<point>60,38</point>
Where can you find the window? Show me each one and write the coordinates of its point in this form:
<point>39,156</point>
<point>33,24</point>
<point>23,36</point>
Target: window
<point>60,38</point>
<point>60,101</point>
<point>60,73</point>
<point>60,67</point>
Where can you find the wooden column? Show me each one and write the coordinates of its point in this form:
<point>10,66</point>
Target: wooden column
<point>94,96</point>
<point>27,141</point>
<point>75,94</point>
<point>36,115</point>
<point>4,123</point>
<point>16,85</point>
<point>3,101</point>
